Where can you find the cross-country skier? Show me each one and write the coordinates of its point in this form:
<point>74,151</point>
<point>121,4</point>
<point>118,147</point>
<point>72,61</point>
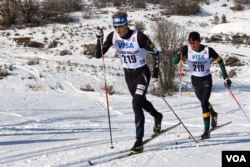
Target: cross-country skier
<point>132,46</point>
<point>198,59</point>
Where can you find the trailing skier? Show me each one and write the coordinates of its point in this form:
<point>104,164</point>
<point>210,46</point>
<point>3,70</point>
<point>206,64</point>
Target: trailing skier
<point>198,59</point>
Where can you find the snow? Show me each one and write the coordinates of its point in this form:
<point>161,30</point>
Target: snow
<point>60,125</point>
<point>233,28</point>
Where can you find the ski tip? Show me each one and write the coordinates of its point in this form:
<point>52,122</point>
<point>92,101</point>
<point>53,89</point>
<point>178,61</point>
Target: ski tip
<point>90,163</point>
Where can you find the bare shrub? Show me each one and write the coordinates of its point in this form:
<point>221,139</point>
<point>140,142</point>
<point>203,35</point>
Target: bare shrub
<point>4,70</point>
<point>137,4</point>
<point>170,37</point>
<point>65,52</point>
<point>26,42</point>
<point>3,73</point>
<point>35,44</point>
<point>16,12</point>
<point>33,61</point>
<point>64,6</point>
<point>100,3</point>
<point>88,49</point>
<point>216,19</point>
<point>86,88</point>
<point>232,73</point>
<point>36,86</point>
<point>53,44</point>
<point>23,41</point>
<point>237,7</point>
<point>11,67</point>
<point>223,19</point>
<point>110,88</point>
<point>139,25</point>
<point>216,38</point>
<point>37,13</point>
<point>243,2</point>
<point>233,61</point>
<point>173,7</point>
<point>237,39</point>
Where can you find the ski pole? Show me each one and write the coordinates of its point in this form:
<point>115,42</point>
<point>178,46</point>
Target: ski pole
<point>106,92</point>
<point>238,104</point>
<point>180,69</point>
<point>180,76</point>
<point>180,120</point>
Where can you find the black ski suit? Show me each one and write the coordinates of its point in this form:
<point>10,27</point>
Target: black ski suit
<point>137,79</point>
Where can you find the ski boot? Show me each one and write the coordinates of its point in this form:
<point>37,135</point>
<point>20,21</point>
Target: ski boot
<point>137,148</point>
<point>206,134</point>
<point>157,126</point>
<point>214,120</point>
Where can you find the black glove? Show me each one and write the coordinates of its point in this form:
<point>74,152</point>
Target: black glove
<point>227,82</point>
<point>99,33</point>
<point>180,50</point>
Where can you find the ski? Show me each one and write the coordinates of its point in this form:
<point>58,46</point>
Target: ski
<point>120,156</point>
<point>220,126</point>
<point>160,133</point>
<point>215,128</point>
<point>126,153</point>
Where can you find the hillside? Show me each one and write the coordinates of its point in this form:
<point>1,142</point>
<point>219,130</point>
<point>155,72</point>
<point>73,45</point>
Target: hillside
<point>46,120</point>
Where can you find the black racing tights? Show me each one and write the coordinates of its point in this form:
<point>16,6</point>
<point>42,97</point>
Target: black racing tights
<point>202,88</point>
<point>137,81</point>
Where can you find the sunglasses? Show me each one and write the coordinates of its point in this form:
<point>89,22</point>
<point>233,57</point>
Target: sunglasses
<point>192,42</point>
<point>119,26</point>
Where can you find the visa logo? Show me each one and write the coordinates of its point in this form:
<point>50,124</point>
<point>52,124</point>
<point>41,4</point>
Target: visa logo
<point>125,45</point>
<point>198,57</point>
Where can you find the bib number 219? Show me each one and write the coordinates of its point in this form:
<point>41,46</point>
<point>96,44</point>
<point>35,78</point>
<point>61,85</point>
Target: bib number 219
<point>129,59</point>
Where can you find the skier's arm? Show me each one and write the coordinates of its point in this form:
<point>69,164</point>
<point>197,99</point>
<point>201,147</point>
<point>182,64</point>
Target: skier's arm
<point>219,60</point>
<point>222,67</point>
<point>183,51</point>
<point>105,46</point>
<point>147,44</point>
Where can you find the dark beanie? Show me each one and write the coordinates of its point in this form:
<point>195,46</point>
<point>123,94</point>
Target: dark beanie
<point>194,36</point>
